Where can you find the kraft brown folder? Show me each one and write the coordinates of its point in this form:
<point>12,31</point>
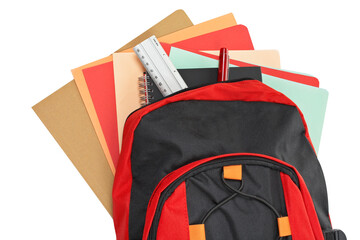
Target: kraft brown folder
<point>65,116</point>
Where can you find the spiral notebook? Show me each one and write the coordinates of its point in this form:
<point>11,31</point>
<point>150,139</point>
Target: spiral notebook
<point>196,77</point>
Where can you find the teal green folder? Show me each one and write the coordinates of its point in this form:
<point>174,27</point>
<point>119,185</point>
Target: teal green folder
<point>312,101</point>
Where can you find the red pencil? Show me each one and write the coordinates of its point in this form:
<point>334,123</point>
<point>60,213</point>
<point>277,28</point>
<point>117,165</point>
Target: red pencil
<point>223,71</point>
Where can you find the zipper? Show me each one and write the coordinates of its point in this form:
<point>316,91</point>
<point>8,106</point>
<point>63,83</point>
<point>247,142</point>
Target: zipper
<point>224,161</point>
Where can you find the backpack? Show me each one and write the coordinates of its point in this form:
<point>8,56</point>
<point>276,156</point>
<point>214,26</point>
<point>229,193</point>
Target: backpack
<point>230,160</point>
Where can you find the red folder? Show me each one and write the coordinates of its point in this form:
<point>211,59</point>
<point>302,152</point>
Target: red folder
<point>100,81</point>
<point>232,38</point>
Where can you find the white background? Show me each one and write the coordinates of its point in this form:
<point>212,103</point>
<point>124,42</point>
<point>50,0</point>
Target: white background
<point>42,196</point>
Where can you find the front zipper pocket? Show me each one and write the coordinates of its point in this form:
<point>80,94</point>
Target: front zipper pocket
<point>244,215</point>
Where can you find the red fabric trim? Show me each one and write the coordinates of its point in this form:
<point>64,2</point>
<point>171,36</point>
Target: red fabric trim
<point>250,90</point>
<point>122,185</point>
<point>310,208</point>
<point>299,221</point>
<point>298,201</point>
<point>174,220</point>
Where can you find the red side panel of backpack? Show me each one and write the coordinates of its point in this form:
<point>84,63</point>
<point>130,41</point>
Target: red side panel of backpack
<point>174,221</point>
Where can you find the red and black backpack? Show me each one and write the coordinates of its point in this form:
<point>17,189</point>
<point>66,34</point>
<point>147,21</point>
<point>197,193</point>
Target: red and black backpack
<point>230,160</point>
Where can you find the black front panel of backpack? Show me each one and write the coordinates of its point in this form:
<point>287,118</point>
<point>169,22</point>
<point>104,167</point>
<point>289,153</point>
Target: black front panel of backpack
<point>182,132</point>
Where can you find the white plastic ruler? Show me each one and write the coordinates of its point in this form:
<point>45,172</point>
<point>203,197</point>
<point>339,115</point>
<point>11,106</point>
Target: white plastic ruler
<point>160,68</point>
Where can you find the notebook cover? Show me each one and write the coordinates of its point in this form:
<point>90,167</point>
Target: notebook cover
<point>65,116</point>
<point>311,100</point>
<point>103,81</point>
<point>196,77</point>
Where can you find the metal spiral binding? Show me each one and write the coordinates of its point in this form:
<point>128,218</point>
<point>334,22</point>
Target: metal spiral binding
<point>144,90</point>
